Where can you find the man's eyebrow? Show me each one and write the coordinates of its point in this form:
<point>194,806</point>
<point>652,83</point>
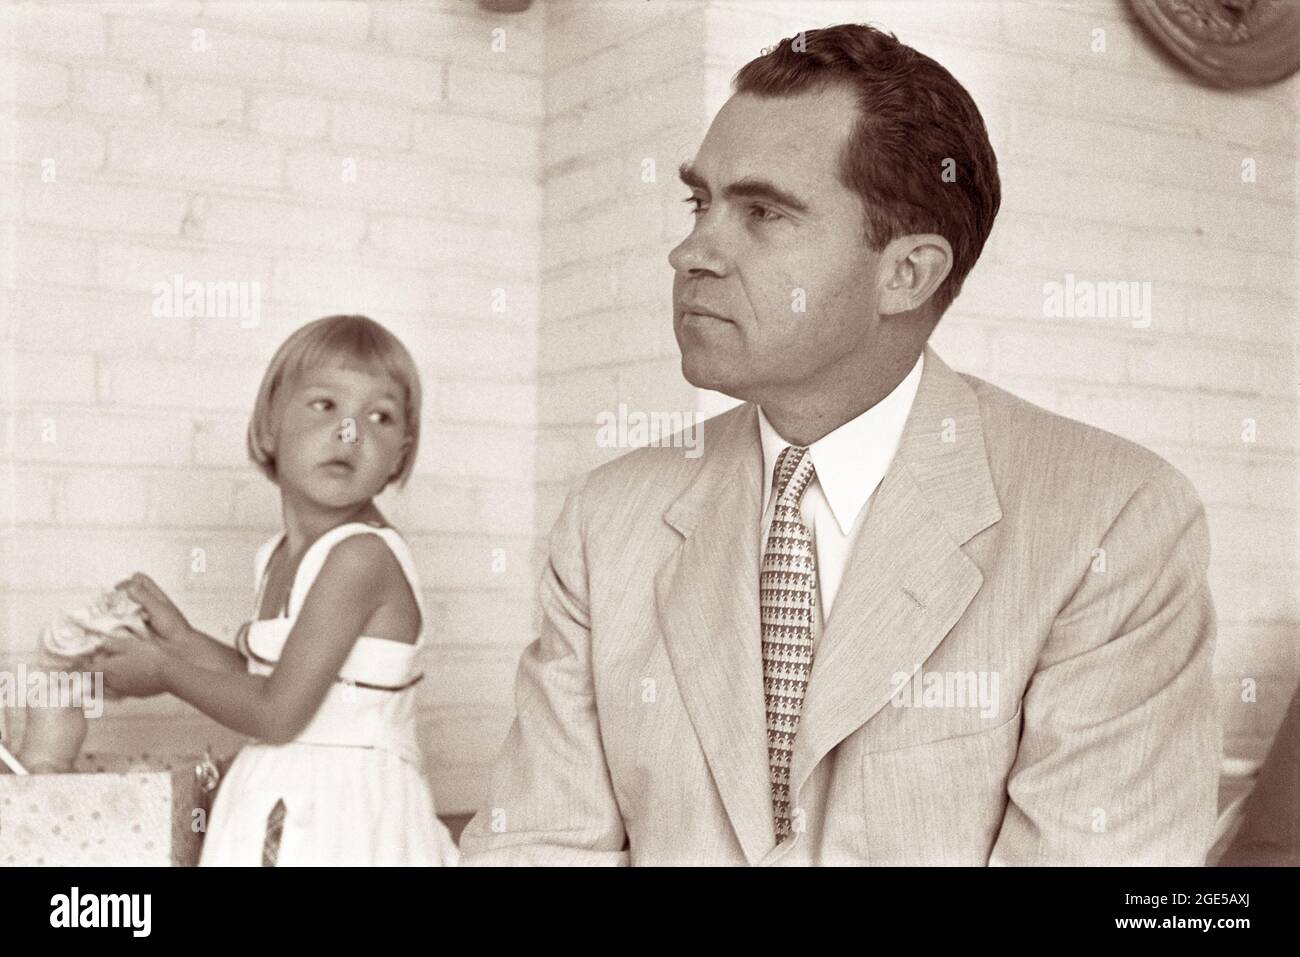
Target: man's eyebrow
<point>748,188</point>
<point>761,189</point>
<point>686,173</point>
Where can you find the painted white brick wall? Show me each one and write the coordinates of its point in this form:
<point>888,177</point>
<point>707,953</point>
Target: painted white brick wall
<point>1115,166</point>
<point>214,140</point>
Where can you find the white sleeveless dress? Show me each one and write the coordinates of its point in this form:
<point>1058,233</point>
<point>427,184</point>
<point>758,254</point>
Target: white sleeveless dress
<point>350,789</point>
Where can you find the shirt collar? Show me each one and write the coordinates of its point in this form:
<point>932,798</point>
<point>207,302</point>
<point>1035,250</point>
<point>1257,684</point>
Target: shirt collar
<point>851,460</point>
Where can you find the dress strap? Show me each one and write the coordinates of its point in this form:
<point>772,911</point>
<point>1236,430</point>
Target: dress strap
<point>314,560</point>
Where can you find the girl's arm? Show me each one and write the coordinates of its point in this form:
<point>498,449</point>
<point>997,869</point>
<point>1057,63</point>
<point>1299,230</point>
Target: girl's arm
<point>358,576</point>
<point>207,652</point>
<point>173,628</point>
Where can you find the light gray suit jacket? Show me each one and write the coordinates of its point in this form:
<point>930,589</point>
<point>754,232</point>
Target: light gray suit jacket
<point>1003,541</point>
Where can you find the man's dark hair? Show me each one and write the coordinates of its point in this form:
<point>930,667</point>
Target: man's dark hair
<point>913,117</point>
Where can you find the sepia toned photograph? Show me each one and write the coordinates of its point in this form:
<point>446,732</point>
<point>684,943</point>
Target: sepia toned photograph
<point>650,433</point>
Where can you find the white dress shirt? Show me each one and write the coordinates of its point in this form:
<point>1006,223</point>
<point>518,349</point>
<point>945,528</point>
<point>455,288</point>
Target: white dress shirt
<point>850,463</point>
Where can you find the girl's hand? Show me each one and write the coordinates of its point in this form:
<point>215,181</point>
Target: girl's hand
<point>131,667</point>
<point>163,617</point>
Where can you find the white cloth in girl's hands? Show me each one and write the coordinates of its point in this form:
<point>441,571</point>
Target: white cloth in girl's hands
<point>52,736</point>
<point>82,630</point>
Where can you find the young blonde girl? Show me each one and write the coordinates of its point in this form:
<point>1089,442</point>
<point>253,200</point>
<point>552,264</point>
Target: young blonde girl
<point>324,676</point>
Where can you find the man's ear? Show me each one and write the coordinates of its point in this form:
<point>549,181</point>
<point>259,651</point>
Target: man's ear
<point>911,269</point>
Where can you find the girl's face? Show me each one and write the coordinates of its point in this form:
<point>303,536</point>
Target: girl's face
<point>342,436</point>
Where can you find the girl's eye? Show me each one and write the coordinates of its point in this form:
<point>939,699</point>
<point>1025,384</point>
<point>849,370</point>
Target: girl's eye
<point>321,405</point>
<point>698,207</point>
<point>382,417</point>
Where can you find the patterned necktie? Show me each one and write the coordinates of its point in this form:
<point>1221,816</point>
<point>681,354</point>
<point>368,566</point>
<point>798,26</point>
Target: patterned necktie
<point>787,588</point>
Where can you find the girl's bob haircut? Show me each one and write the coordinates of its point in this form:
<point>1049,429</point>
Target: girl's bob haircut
<point>348,341</point>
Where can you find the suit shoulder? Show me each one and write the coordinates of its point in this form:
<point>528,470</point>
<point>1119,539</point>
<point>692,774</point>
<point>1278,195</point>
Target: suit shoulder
<point>1079,459</point>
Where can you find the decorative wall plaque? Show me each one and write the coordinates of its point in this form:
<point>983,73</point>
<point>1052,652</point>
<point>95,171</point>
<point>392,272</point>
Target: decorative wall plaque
<point>1231,43</point>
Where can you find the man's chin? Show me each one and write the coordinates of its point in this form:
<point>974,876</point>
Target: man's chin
<point>704,375</point>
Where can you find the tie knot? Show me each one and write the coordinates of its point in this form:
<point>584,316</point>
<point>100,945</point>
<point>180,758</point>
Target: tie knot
<point>794,470</point>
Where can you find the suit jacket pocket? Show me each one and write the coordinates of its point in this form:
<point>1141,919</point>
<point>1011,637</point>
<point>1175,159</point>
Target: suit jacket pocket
<point>939,802</point>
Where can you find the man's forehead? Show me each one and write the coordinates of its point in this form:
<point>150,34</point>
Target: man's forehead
<point>793,138</point>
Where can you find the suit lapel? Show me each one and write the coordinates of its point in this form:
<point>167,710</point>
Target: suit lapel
<point>707,598</point>
<point>906,584</point>
<point>907,581</point>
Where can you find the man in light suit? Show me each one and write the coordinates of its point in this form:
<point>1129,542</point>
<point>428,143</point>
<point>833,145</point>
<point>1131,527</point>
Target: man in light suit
<point>891,614</point>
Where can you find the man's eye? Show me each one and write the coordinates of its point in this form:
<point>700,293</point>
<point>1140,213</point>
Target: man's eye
<point>321,405</point>
<point>764,214</point>
<point>698,207</point>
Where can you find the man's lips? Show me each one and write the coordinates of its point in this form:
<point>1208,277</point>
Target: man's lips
<point>689,309</point>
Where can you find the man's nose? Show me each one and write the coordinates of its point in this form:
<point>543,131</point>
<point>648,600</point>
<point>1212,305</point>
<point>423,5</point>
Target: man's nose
<point>699,253</point>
